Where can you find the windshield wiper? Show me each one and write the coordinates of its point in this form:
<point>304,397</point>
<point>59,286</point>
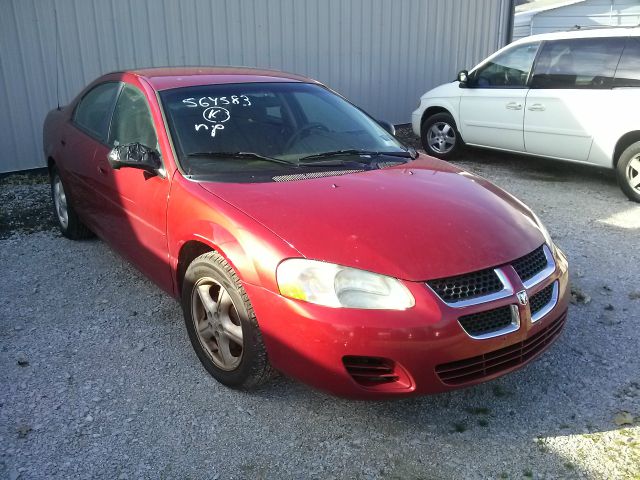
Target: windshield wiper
<point>352,152</point>
<point>241,155</point>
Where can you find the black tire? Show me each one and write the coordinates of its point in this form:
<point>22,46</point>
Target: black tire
<point>73,228</point>
<point>629,172</point>
<point>449,131</point>
<point>254,368</point>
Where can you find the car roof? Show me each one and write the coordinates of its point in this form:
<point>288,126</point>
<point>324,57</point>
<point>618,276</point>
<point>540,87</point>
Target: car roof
<point>163,78</point>
<point>582,33</point>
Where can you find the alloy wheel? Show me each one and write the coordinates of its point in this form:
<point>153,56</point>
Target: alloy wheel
<point>441,137</point>
<point>633,173</point>
<point>60,202</point>
<point>217,323</point>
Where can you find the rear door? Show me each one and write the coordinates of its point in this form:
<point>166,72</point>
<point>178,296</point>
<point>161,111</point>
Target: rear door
<point>80,138</point>
<point>492,107</point>
<point>570,101</point>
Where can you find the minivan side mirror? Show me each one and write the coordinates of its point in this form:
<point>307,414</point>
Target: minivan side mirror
<point>135,155</point>
<point>388,127</point>
<point>463,78</point>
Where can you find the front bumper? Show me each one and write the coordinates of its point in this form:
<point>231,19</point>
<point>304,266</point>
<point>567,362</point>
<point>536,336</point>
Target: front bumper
<point>309,342</point>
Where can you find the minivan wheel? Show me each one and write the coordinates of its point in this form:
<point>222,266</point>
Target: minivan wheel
<point>68,221</point>
<point>222,327</point>
<point>440,137</point>
<point>628,170</point>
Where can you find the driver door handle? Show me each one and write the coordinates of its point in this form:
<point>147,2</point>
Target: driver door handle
<point>537,107</point>
<point>102,169</point>
<point>514,106</point>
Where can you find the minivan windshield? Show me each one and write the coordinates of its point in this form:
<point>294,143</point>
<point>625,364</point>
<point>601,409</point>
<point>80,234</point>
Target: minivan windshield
<point>253,129</point>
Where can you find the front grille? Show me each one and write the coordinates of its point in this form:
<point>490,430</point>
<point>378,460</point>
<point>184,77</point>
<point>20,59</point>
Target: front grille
<point>541,299</point>
<point>370,371</point>
<point>531,264</point>
<point>476,368</point>
<point>470,285</point>
<point>487,322</point>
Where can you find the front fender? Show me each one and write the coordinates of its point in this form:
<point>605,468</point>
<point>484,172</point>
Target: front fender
<point>252,250</point>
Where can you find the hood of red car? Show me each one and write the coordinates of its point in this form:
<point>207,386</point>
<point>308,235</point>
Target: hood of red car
<point>418,221</point>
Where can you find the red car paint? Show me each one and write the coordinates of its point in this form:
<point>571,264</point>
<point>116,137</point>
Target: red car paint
<point>419,221</point>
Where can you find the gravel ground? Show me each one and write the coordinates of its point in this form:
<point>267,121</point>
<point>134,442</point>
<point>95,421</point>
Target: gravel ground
<point>98,380</point>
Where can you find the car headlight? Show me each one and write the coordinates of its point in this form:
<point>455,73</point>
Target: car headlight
<point>337,286</point>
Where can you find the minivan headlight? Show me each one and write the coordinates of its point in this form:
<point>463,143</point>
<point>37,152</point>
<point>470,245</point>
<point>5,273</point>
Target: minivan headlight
<point>337,286</point>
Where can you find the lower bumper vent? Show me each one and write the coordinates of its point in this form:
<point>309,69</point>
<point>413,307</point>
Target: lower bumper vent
<point>370,371</point>
<point>492,363</point>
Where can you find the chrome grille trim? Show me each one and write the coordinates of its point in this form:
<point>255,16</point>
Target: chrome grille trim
<point>512,327</point>
<point>549,306</point>
<point>506,291</point>
<point>545,273</point>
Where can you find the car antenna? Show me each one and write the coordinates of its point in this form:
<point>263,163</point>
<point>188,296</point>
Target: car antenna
<point>55,16</point>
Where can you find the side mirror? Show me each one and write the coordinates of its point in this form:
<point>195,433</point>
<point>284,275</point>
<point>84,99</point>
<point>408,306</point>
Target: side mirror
<point>135,155</point>
<point>388,127</point>
<point>463,78</point>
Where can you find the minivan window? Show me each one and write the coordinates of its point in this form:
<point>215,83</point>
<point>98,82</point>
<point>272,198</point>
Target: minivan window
<point>132,120</point>
<point>92,113</point>
<point>510,69</point>
<point>578,63</point>
<point>628,72</point>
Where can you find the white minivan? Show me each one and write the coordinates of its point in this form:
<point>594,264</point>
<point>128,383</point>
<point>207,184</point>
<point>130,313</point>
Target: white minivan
<point>571,96</point>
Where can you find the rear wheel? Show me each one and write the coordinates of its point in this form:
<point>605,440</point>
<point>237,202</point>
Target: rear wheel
<point>440,137</point>
<point>221,324</point>
<point>628,171</point>
<point>68,221</point>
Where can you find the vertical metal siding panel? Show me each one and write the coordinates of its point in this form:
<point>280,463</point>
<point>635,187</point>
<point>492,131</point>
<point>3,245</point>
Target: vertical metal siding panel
<point>382,54</point>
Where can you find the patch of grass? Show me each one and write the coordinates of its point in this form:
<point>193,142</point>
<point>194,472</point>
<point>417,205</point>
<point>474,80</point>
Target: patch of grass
<point>569,466</point>
<point>503,475</point>
<point>483,422</point>
<point>459,427</point>
<point>527,472</point>
<point>499,391</point>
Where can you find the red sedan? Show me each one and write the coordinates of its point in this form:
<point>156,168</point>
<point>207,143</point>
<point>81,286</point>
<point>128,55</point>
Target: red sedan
<point>301,236</point>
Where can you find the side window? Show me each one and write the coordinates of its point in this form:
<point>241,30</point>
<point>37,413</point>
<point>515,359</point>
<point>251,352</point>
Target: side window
<point>132,120</point>
<point>92,113</point>
<point>510,69</point>
<point>578,63</point>
<point>628,72</point>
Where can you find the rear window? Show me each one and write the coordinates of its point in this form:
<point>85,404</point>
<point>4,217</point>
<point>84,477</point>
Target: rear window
<point>578,63</point>
<point>628,72</point>
<point>93,111</point>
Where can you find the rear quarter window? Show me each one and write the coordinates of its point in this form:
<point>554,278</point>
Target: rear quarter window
<point>628,72</point>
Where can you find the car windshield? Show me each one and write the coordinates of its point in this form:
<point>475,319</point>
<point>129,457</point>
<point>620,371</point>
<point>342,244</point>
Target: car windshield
<point>248,131</point>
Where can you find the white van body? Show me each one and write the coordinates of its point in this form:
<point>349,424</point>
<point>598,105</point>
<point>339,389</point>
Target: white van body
<point>532,97</point>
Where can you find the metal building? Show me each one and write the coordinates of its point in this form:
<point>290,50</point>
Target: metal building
<point>381,54</point>
<point>544,16</point>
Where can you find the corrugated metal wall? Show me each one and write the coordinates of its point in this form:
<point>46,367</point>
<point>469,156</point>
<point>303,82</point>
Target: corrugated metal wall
<point>589,13</point>
<point>381,54</point>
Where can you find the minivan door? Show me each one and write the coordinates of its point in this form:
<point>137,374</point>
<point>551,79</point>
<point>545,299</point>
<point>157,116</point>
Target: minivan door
<point>492,107</point>
<point>570,99</point>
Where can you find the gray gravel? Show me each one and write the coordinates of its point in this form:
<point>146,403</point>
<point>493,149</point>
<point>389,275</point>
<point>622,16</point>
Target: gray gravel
<point>98,380</point>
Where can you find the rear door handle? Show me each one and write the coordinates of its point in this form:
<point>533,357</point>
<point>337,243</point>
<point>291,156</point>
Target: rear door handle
<point>514,106</point>
<point>63,142</point>
<point>102,169</point>
<point>537,107</point>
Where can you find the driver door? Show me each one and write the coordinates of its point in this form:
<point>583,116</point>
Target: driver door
<point>492,107</point>
<point>137,200</point>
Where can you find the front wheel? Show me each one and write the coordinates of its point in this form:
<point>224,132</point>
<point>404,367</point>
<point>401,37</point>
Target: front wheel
<point>221,324</point>
<point>628,171</point>
<point>440,137</point>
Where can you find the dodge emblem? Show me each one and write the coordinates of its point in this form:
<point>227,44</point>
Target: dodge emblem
<point>523,298</point>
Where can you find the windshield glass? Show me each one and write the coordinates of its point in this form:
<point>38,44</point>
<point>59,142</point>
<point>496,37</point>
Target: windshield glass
<point>284,123</point>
